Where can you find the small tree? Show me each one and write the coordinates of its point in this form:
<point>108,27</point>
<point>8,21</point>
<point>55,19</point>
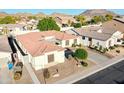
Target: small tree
<point>47,24</point>
<point>7,20</point>
<point>76,25</point>
<point>81,54</point>
<point>108,17</point>
<point>80,18</point>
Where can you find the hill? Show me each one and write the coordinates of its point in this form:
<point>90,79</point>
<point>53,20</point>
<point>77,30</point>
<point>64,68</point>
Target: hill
<point>97,12</point>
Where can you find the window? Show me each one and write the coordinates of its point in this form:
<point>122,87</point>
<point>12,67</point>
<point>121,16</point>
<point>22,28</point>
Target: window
<point>75,41</point>
<point>118,40</point>
<point>67,42</point>
<point>90,39</point>
<point>83,37</point>
<point>50,58</point>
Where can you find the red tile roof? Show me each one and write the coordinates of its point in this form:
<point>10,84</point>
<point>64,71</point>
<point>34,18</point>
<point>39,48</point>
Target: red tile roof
<point>36,45</point>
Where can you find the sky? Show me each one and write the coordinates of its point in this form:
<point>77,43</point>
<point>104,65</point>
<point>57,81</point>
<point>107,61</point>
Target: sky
<point>49,11</point>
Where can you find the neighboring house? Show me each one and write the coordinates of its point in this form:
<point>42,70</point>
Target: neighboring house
<point>46,48</point>
<point>5,50</point>
<point>32,24</point>
<point>117,24</point>
<point>6,28</point>
<point>17,29</point>
<point>65,21</point>
<point>98,36</point>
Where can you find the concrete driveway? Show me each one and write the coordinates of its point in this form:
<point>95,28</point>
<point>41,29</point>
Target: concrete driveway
<point>96,57</point>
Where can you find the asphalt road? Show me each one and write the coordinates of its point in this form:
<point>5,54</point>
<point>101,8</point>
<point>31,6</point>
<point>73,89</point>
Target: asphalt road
<point>111,75</point>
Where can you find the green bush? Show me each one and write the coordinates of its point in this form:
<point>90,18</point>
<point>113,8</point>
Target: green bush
<point>8,20</point>
<point>105,50</point>
<point>76,25</point>
<point>73,45</point>
<point>115,45</point>
<point>95,47</point>
<point>81,54</point>
<point>100,48</point>
<point>111,47</point>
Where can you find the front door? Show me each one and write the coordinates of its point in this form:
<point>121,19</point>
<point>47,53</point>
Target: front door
<point>90,41</point>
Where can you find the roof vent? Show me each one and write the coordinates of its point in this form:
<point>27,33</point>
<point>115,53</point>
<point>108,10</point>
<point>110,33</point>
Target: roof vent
<point>99,31</point>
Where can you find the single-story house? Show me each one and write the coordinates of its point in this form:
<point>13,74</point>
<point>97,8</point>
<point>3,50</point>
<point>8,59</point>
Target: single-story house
<point>46,48</point>
<point>64,21</point>
<point>98,36</point>
<point>117,23</point>
<point>12,27</point>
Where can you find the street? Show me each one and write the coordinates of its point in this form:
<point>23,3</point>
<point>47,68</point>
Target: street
<point>99,67</point>
<point>111,75</point>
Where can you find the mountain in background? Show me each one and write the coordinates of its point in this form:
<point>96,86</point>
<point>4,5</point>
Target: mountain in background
<point>88,13</point>
<point>3,14</point>
<point>97,12</point>
<point>40,14</point>
<point>60,14</point>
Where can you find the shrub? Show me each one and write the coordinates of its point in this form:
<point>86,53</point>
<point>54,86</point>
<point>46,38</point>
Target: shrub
<point>91,47</point>
<point>100,48</point>
<point>73,45</point>
<point>84,64</point>
<point>111,47</point>
<point>122,42</point>
<point>81,54</point>
<point>76,25</point>
<point>95,47</point>
<point>80,45</point>
<point>46,73</point>
<point>118,51</point>
<point>115,45</point>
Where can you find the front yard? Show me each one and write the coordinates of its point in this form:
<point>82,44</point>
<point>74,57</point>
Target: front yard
<point>116,52</point>
<point>63,70</point>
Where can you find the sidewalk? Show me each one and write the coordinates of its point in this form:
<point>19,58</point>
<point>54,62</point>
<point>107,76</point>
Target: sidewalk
<point>90,71</point>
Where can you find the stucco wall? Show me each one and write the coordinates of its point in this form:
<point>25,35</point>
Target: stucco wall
<point>86,42</point>
<point>40,61</point>
<point>71,41</point>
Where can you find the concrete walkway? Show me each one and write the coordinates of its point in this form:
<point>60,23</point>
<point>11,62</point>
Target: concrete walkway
<point>32,74</point>
<point>30,71</point>
<point>90,71</point>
